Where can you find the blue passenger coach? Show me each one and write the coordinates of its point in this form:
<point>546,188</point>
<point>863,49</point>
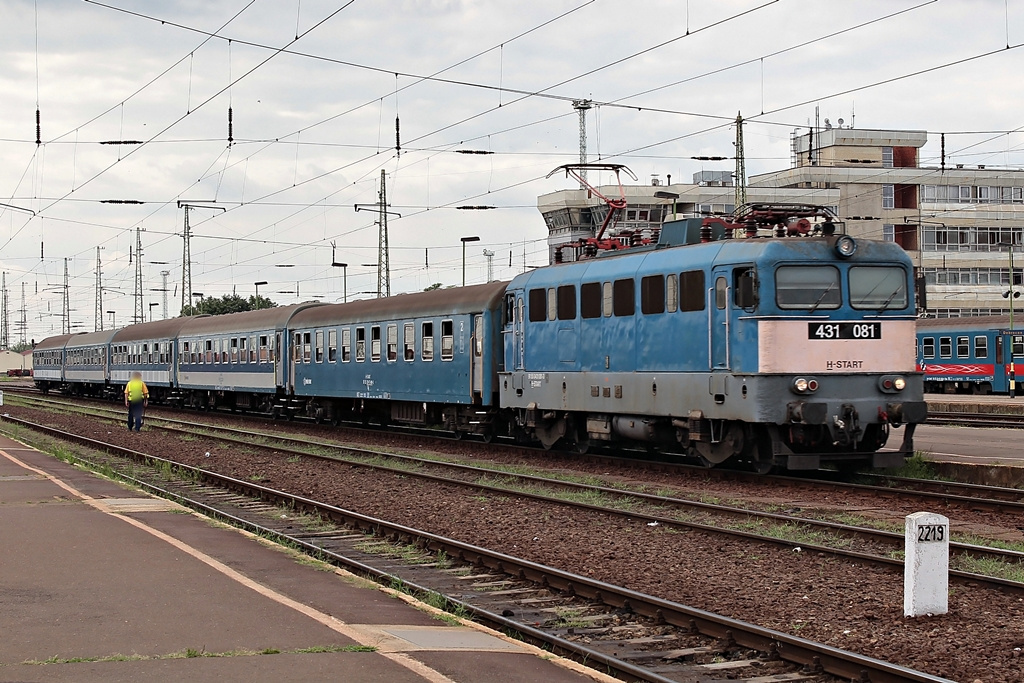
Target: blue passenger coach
<point>87,358</point>
<point>146,348</point>
<point>781,352</point>
<point>969,355</point>
<point>428,357</point>
<point>235,360</point>
<point>48,362</point>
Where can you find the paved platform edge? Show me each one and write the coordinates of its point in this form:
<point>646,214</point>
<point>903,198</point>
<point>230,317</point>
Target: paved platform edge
<point>400,658</point>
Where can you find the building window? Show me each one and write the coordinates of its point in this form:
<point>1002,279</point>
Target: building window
<point>888,196</point>
<point>887,157</point>
<point>889,232</point>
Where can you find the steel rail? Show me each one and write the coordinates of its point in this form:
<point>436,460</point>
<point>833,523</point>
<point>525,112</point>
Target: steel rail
<point>873,535</point>
<point>791,648</point>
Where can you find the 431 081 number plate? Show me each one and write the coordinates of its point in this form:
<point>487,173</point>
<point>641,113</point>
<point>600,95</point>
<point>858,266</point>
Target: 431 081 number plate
<point>844,330</point>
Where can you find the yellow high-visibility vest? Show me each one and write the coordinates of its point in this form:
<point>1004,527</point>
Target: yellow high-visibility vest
<point>136,390</point>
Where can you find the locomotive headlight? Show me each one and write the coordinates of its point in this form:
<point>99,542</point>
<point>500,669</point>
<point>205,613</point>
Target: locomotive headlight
<point>891,384</point>
<point>800,384</point>
<point>846,246</point>
<point>899,383</point>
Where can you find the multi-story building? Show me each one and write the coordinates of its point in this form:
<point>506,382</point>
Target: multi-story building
<point>957,223</point>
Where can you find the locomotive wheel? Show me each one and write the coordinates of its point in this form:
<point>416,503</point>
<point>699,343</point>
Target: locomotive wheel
<point>731,444</point>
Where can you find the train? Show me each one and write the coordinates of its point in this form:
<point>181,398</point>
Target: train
<point>770,338</point>
<point>972,355</point>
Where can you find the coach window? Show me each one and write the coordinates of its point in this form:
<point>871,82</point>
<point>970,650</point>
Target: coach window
<point>332,345</point>
<point>671,293</point>
<point>409,341</point>
<point>981,347</point>
<point>146,355</point>
<point>566,302</point>
<point>963,347</point>
<point>319,346</point>
<point>224,350</point>
<point>590,300</point>
<point>624,297</point>
<point>392,342</point>
<point>307,347</point>
<point>537,305</point>
<point>253,350</point>
<point>552,303</point>
<point>375,343</point>
<point>360,344</point>
<point>478,335</point>
<point>234,349</point>
<point>606,299</point>
<point>448,340</point>
<point>1018,345</point>
<point>928,347</point>
<point>945,347</point>
<point>264,351</point>
<point>346,345</point>
<point>243,349</point>
<point>807,287</point>
<point>652,295</point>
<point>427,341</point>
<point>297,348</point>
<point>183,351</point>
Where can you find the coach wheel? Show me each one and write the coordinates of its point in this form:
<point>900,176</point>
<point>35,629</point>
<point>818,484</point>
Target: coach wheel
<point>318,416</point>
<point>763,466</point>
<point>488,435</point>
<point>457,435</point>
<point>582,446</point>
<point>275,413</point>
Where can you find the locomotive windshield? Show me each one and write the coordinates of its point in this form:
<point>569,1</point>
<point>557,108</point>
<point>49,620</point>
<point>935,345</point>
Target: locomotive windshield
<point>810,287</point>
<point>878,287</point>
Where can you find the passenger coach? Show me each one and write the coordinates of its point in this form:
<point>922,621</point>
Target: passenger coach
<point>969,355</point>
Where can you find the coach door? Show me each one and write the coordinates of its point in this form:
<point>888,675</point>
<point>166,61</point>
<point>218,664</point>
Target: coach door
<point>718,320</point>
<point>477,355</point>
<point>278,364</point>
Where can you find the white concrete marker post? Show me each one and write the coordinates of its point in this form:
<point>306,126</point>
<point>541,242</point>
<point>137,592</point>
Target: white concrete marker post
<point>926,565</point>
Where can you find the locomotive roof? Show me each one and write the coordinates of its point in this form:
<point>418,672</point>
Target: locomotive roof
<point>422,304</point>
<point>55,342</point>
<point>90,338</point>
<point>158,329</point>
<point>245,321</point>
<point>984,322</point>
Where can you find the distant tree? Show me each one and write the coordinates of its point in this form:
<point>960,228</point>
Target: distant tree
<point>229,303</point>
<point>22,346</point>
<point>431,288</point>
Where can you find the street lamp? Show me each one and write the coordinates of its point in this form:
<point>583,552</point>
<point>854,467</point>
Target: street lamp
<point>474,238</point>
<point>662,194</point>
<point>113,317</point>
<point>151,305</point>
<point>261,282</point>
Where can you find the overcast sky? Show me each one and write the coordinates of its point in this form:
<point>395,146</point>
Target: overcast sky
<point>314,123</point>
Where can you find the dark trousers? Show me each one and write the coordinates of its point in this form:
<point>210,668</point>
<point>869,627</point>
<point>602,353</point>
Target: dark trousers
<point>135,411</point>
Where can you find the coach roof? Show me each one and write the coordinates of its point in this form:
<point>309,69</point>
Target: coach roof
<point>100,338</point>
<point>438,302</point>
<point>158,329</point>
<point>246,321</point>
<point>56,342</point>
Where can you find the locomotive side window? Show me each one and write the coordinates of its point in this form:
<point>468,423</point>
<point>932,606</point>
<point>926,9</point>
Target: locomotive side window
<point>448,339</point>
<point>652,294</point>
<point>552,303</point>
<point>928,347</point>
<point>691,288</point>
<point>510,310</point>
<point>375,343</point>
<point>671,293</point>
<point>808,287</point>
<point>981,347</point>
<point>332,345</point>
<point>392,342</point>
<point>590,300</point>
<point>360,344</point>
<point>346,345</point>
<point>427,341</point>
<point>945,347</point>
<point>963,347</point>
<point>409,350</point>
<point>624,297</point>
<point>721,293</point>
<point>606,299</point>
<point>538,309</point>
<point>567,302</point>
<point>878,287</point>
<point>744,287</point>
<point>319,346</point>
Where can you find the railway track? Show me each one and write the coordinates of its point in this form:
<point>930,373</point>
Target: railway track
<point>843,540</point>
<point>639,636</point>
<point>990,420</point>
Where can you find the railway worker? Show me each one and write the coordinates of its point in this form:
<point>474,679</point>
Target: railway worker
<point>136,398</point>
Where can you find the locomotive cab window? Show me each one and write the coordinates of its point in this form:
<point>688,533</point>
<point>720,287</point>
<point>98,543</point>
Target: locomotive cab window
<point>509,312</point>
<point>538,305</point>
<point>590,300</point>
<point>744,282</point>
<point>807,287</point>
<point>928,347</point>
<point>878,287</point>
<point>448,339</point>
